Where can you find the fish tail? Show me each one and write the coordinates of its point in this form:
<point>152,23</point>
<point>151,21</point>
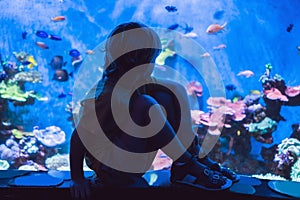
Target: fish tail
<point>223,26</point>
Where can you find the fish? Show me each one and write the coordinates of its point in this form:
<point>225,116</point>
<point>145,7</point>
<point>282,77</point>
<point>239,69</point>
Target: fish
<point>58,18</point>
<point>24,35</point>
<point>90,52</point>
<point>221,46</point>
<point>32,62</point>
<point>256,92</point>
<point>74,53</point>
<point>3,76</point>
<point>246,73</point>
<point>42,45</point>
<point>230,87</point>
<point>61,75</point>
<point>190,35</point>
<point>214,28</point>
<point>205,55</point>
<point>173,27</point>
<point>187,28</point>
<point>298,47</point>
<point>289,28</point>
<point>219,14</point>
<point>171,8</point>
<point>41,34</point>
<point>57,62</point>
<point>54,37</point>
<point>62,95</point>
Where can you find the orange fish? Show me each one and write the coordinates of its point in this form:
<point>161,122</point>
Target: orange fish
<point>42,45</point>
<point>58,18</point>
<point>221,46</point>
<point>90,52</point>
<point>214,28</point>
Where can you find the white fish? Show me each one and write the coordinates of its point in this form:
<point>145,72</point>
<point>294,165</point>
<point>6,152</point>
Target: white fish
<point>246,73</point>
<point>191,35</point>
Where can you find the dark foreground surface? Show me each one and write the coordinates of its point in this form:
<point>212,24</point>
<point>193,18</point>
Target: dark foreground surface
<point>45,185</point>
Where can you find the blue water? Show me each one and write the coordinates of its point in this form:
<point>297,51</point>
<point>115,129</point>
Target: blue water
<point>255,35</point>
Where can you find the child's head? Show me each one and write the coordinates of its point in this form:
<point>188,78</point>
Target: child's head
<point>130,45</point>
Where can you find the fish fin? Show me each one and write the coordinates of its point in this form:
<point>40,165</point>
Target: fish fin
<point>71,74</point>
<point>223,26</point>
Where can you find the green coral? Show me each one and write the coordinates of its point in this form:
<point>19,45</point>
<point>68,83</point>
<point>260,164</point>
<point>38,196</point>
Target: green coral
<point>19,134</point>
<point>295,171</point>
<point>165,53</point>
<point>262,127</point>
<point>13,92</point>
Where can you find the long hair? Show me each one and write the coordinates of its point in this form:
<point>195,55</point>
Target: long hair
<point>129,45</point>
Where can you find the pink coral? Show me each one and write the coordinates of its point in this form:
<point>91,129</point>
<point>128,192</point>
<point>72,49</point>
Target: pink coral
<point>292,91</point>
<point>275,94</point>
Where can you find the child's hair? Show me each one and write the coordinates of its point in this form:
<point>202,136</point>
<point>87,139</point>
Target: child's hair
<point>129,45</point>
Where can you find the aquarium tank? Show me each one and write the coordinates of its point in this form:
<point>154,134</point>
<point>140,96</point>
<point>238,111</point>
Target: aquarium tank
<point>238,60</point>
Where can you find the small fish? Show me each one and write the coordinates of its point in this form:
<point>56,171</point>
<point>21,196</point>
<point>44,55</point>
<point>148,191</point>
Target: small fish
<point>221,46</point>
<point>230,87</point>
<point>57,62</point>
<point>26,62</point>
<point>61,75</point>
<point>256,92</point>
<point>214,28</point>
<point>24,35</point>
<point>187,28</point>
<point>171,8</point>
<point>3,76</point>
<point>42,45</point>
<point>205,55</point>
<point>32,62</point>
<point>173,27</point>
<point>41,34</point>
<point>289,28</point>
<point>246,73</point>
<point>190,35</point>
<point>58,18</point>
<point>54,37</point>
<point>90,52</point>
<point>298,47</point>
<point>62,95</point>
<point>219,14</point>
<point>74,53</point>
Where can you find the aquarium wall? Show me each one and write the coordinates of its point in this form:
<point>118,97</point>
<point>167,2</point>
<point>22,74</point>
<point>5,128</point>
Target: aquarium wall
<point>45,46</point>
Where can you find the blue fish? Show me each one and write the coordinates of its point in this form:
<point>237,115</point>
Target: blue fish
<point>230,87</point>
<point>24,34</point>
<point>62,95</point>
<point>26,62</point>
<point>74,53</point>
<point>219,14</point>
<point>187,28</point>
<point>171,8</point>
<point>3,76</point>
<point>173,27</point>
<point>54,37</point>
<point>42,34</point>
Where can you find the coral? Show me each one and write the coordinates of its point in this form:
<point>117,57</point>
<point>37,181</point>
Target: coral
<point>51,136</point>
<point>290,144</point>
<point>295,171</point>
<point>30,76</point>
<point>4,165</point>
<point>268,176</point>
<point>13,92</point>
<point>19,134</point>
<point>62,162</point>
<point>262,127</point>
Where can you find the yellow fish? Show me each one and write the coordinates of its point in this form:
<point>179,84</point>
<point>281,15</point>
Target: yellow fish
<point>32,62</point>
<point>255,92</point>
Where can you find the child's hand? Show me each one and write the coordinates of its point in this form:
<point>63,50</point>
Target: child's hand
<point>80,189</point>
